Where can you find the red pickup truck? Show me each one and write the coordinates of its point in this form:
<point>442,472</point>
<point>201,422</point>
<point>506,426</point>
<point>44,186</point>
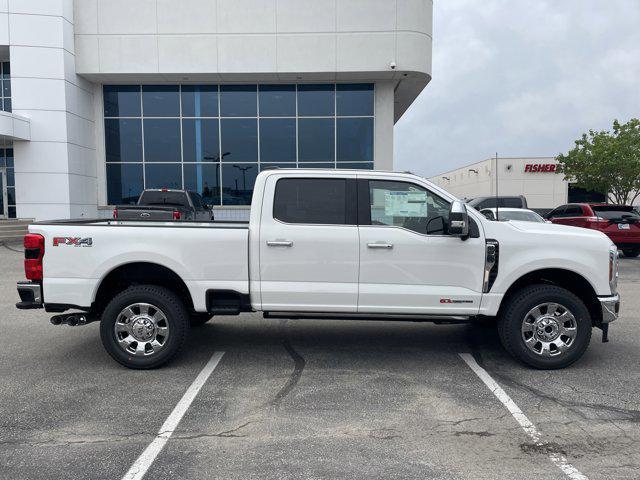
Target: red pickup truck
<point>621,223</point>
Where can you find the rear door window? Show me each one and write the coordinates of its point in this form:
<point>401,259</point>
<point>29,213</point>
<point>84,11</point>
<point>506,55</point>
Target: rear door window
<point>573,211</point>
<point>319,201</point>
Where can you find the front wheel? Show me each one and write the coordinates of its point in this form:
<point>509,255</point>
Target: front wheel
<point>545,326</point>
<point>144,326</point>
<point>631,252</point>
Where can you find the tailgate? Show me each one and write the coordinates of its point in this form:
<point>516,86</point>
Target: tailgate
<point>145,213</point>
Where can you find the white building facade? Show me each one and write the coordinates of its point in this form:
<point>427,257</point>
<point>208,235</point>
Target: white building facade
<point>102,98</point>
<point>536,178</point>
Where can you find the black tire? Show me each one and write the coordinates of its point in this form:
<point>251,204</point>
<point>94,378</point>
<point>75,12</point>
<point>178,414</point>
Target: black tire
<point>175,319</point>
<point>631,252</point>
<point>518,306</point>
<point>197,319</point>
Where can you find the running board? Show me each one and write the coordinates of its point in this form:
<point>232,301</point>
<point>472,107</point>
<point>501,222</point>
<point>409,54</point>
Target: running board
<point>438,319</point>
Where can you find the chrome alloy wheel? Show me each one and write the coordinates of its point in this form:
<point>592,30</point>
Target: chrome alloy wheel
<point>141,329</point>
<point>549,329</point>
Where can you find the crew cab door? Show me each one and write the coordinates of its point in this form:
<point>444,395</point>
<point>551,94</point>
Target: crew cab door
<point>408,262</point>
<point>309,244</point>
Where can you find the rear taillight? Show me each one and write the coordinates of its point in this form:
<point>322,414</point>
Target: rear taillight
<point>115,213</point>
<point>33,253</point>
<point>596,222</point>
<point>176,215</point>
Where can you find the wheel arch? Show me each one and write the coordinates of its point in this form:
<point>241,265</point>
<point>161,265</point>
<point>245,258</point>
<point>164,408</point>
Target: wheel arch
<point>567,279</point>
<point>125,275</point>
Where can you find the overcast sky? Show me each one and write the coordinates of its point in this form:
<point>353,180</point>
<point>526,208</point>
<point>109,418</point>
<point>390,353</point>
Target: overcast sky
<point>521,77</point>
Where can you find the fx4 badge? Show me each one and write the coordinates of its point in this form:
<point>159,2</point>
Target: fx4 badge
<point>453,300</point>
<point>75,241</point>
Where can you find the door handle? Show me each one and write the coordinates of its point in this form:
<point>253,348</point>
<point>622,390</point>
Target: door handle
<point>279,243</point>
<point>380,245</point>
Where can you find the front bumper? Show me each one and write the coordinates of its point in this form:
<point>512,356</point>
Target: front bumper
<point>610,308</point>
<point>30,295</point>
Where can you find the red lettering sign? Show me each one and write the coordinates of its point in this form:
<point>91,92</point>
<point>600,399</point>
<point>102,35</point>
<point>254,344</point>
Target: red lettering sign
<point>540,167</point>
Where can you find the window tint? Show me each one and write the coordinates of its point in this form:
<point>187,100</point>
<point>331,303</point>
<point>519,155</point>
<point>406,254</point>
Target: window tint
<point>277,140</point>
<point>573,211</point>
<point>311,201</point>
<point>199,100</point>
<point>240,140</point>
<point>121,100</point>
<point>354,99</point>
<point>316,100</point>
<point>203,178</point>
<point>161,140</point>
<point>200,140</point>
<point>316,140</point>
<point>277,100</point>
<point>511,202</point>
<point>238,101</point>
<point>407,205</point>
<point>557,212</point>
<point>158,198</point>
<point>160,100</point>
<point>486,203</point>
<point>124,183</point>
<point>355,139</point>
<point>614,211</point>
<point>123,140</point>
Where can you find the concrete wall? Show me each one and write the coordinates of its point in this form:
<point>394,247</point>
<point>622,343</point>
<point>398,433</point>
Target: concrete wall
<point>542,189</point>
<point>257,40</point>
<point>55,171</point>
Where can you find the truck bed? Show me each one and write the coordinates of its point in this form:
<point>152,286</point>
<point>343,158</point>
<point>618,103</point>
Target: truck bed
<point>204,255</point>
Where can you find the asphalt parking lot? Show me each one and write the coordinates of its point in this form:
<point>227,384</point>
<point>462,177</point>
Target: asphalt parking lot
<point>315,399</point>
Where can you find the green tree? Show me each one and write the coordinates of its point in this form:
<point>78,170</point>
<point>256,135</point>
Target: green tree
<point>606,162</point>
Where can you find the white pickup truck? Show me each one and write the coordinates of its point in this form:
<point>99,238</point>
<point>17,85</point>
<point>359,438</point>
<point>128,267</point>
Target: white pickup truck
<point>339,244</point>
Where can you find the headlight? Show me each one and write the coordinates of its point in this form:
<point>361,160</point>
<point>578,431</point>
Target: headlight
<point>613,268</point>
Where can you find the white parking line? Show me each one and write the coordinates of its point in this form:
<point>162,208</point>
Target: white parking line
<point>144,461</point>
<point>530,429</point>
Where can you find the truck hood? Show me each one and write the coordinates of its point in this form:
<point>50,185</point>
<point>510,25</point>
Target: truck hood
<point>555,229</point>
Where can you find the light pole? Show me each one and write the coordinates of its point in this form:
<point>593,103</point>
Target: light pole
<point>244,175</point>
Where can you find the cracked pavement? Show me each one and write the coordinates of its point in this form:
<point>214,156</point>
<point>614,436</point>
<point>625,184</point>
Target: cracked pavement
<point>314,399</point>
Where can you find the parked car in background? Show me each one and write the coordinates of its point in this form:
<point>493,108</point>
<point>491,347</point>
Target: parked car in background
<point>519,214</point>
<point>165,204</point>
<point>621,223</point>
<point>492,202</point>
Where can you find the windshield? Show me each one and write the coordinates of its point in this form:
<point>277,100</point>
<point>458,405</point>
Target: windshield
<point>610,212</point>
<point>173,199</point>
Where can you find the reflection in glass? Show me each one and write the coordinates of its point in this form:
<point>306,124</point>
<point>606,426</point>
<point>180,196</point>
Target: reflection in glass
<point>199,100</point>
<point>204,179</point>
<point>239,140</point>
<point>163,175</point>
<point>124,183</point>
<point>200,140</point>
<point>315,139</point>
<point>355,139</point>
<point>160,101</point>
<point>277,100</point>
<point>316,165</point>
<point>356,165</point>
<point>316,100</point>
<point>277,140</point>
<point>123,140</point>
<point>162,140</point>
<point>11,196</point>
<point>354,99</point>
<point>238,101</point>
<point>237,183</point>
<point>271,166</point>
<point>121,100</point>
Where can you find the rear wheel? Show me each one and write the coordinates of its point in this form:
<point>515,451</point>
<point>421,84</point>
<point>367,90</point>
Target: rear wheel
<point>545,326</point>
<point>144,326</point>
<point>631,252</point>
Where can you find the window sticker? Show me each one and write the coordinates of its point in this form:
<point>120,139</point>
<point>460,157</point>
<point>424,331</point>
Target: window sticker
<point>405,204</point>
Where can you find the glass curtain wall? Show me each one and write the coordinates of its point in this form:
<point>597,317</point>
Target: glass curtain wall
<point>5,93</point>
<point>6,162</point>
<point>215,139</point>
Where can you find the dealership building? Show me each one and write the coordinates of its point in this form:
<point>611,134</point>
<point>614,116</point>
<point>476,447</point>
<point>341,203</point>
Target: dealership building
<point>103,98</point>
<point>536,178</point>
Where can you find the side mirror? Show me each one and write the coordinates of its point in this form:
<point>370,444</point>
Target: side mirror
<point>458,220</point>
